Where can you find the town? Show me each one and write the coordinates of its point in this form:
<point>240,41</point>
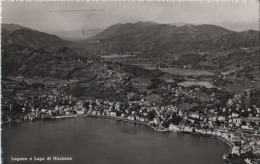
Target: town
<point>145,83</point>
<point>235,121</point>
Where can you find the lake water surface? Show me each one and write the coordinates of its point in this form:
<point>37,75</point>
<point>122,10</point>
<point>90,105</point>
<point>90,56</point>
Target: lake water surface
<point>116,56</point>
<point>182,71</point>
<point>106,141</point>
<point>200,83</point>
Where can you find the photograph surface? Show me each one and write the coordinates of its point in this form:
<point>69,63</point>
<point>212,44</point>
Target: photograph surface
<point>130,83</point>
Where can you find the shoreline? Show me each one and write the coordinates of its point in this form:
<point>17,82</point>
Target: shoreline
<point>167,130</point>
<point>141,123</point>
<point>126,120</point>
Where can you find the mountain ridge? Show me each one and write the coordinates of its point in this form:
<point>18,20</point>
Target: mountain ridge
<point>12,27</point>
<point>153,38</point>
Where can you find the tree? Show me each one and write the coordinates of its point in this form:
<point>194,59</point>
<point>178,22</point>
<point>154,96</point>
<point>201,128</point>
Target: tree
<point>243,122</point>
<point>252,123</point>
<point>150,115</point>
<point>247,155</point>
<point>118,113</point>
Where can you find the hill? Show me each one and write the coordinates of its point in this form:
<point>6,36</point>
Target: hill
<point>12,27</point>
<point>162,31</point>
<point>151,39</point>
<point>245,38</point>
<point>27,52</point>
<point>33,39</point>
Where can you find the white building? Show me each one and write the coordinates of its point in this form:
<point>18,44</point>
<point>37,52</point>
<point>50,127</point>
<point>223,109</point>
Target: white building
<point>235,150</point>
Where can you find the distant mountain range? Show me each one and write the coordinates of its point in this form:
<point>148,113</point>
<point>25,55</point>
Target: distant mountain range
<point>16,34</point>
<point>12,27</point>
<point>152,38</point>
<point>231,25</point>
<point>239,26</point>
<point>77,34</point>
<point>13,34</point>
<point>144,37</point>
<point>33,39</point>
<point>164,31</point>
<point>28,52</point>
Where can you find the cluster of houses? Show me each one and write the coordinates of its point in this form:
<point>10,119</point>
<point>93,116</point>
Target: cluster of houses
<point>234,129</point>
<point>232,122</point>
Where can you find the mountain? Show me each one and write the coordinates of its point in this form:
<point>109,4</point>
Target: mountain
<point>12,27</point>
<point>239,26</point>
<point>26,52</point>
<point>238,39</point>
<point>153,39</point>
<point>18,60</point>
<point>4,32</point>
<point>181,24</point>
<point>64,69</point>
<point>33,39</point>
<point>77,34</point>
<point>154,30</point>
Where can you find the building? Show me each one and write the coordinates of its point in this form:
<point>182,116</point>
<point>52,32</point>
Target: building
<point>235,150</point>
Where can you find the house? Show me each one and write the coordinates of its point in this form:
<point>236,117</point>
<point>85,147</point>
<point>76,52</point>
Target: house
<point>142,119</point>
<point>248,161</point>
<point>245,148</point>
<point>235,150</point>
<point>156,121</point>
<point>221,118</point>
<point>216,133</point>
<point>213,118</point>
<point>80,112</point>
<point>225,135</point>
<point>174,127</point>
<point>247,127</point>
<point>141,81</point>
<point>235,138</point>
<point>181,113</point>
<point>113,114</point>
<point>256,150</point>
<point>192,121</point>
<point>234,115</point>
<point>43,110</point>
<point>201,131</point>
<point>188,129</point>
<point>194,115</point>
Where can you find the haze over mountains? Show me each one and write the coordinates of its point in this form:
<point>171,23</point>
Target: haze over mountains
<point>239,26</point>
<point>147,38</point>
<point>79,34</point>
<point>231,25</point>
<point>16,35</point>
<point>75,35</point>
<point>140,36</point>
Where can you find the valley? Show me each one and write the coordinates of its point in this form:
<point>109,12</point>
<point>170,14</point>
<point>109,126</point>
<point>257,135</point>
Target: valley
<point>196,76</point>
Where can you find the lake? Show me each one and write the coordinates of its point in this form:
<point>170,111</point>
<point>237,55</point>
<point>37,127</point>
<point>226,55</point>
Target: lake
<point>117,56</point>
<point>200,83</point>
<point>106,141</point>
<point>182,71</point>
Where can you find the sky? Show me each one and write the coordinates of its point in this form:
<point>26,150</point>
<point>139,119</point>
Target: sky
<point>37,15</point>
